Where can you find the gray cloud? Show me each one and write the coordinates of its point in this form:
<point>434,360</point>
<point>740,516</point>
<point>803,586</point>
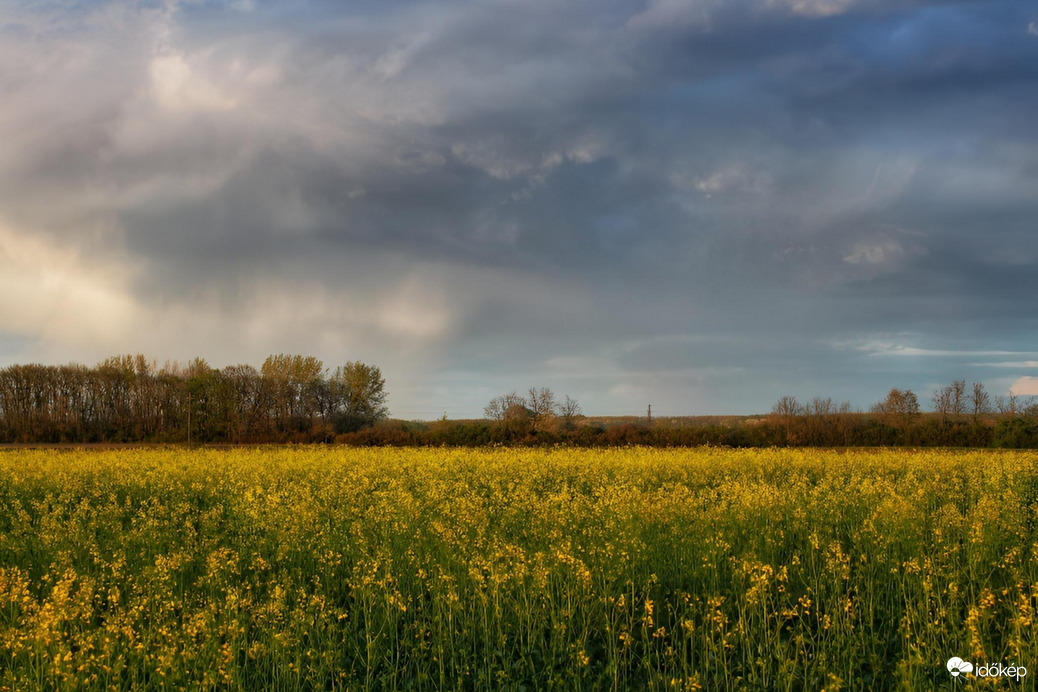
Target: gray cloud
<point>699,204</point>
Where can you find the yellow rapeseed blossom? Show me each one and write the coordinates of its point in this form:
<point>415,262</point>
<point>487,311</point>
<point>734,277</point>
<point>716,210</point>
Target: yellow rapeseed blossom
<point>331,568</point>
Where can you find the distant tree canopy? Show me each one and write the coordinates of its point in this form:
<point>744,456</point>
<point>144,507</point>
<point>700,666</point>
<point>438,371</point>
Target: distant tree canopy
<point>539,412</point>
<point>899,405</point>
<point>131,399</point>
<point>962,416</point>
<point>356,396</point>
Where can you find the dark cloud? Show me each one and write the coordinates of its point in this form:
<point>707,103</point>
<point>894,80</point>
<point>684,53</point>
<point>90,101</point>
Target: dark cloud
<point>704,204</point>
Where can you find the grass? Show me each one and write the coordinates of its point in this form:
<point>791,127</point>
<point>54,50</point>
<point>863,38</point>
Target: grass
<point>329,569</point>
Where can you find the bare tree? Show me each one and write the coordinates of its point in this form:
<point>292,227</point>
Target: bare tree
<point>503,407</point>
<point>950,399</point>
<point>979,400</point>
<point>958,397</point>
<point>821,407</point>
<point>512,417</point>
<point>942,397</point>
<point>542,406</point>
<point>1008,405</point>
<point>787,407</point>
<point>569,410</point>
<point>787,410</point>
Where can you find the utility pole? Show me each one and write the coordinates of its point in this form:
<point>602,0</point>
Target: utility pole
<point>650,414</point>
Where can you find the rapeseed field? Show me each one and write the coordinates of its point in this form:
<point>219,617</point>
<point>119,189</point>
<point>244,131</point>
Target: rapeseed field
<point>515,569</point>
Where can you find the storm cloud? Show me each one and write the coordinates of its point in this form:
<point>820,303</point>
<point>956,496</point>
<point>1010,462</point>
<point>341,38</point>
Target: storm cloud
<point>701,205</point>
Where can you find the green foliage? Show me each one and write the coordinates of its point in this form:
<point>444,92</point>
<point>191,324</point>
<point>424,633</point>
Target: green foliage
<point>358,396</point>
<point>1016,433</point>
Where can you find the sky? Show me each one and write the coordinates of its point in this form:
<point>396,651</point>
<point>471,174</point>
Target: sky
<point>703,205</point>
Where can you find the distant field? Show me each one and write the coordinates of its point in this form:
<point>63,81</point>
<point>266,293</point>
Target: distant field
<point>332,568</point>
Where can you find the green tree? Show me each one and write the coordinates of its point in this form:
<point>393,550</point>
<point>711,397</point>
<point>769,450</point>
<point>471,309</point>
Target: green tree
<point>357,396</point>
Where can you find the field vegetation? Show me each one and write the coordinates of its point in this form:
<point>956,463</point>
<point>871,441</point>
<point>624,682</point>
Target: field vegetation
<point>335,568</point>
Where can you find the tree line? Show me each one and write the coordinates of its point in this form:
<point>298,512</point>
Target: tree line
<point>290,398</point>
<point>960,416</point>
<point>293,398</point>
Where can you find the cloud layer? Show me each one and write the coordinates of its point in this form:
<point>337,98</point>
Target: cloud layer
<point>702,206</point>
